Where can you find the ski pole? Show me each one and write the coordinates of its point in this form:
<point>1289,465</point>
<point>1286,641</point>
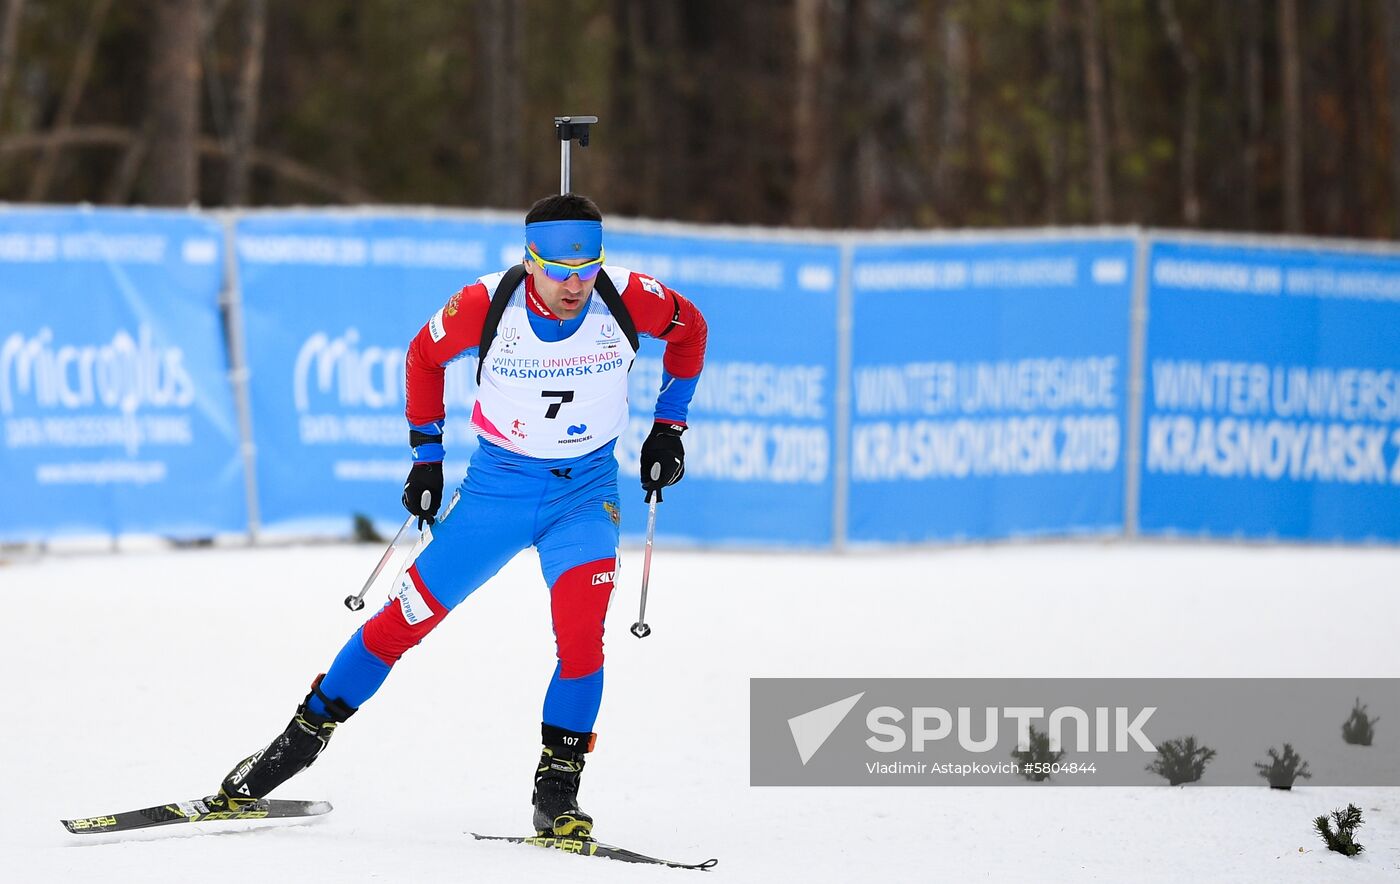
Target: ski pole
<point>640,629</point>
<point>569,128</point>
<point>357,602</point>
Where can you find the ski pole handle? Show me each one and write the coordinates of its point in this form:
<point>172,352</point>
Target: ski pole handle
<point>357,602</point>
<point>640,629</point>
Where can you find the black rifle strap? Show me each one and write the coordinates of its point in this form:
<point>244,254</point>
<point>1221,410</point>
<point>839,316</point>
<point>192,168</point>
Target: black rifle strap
<point>511,281</point>
<point>499,299</point>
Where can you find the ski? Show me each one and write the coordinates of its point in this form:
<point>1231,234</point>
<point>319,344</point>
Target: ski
<point>589,847</point>
<point>194,811</point>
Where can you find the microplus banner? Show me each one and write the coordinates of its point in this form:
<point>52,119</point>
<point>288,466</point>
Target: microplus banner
<point>989,388</point>
<point>330,304</point>
<point>1272,393</point>
<point>115,403</point>
<point>759,466</point>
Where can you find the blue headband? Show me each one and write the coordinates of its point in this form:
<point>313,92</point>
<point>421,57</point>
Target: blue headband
<point>565,240</point>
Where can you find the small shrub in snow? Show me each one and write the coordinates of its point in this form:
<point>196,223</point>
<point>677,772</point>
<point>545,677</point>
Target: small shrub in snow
<point>1181,761</point>
<point>1359,730</point>
<point>1343,840</point>
<point>1035,761</point>
<point>1282,770</point>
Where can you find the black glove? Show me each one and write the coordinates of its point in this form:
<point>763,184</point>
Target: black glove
<point>663,458</point>
<point>422,492</point>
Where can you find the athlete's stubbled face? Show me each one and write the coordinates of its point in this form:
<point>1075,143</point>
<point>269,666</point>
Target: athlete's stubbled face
<point>564,299</point>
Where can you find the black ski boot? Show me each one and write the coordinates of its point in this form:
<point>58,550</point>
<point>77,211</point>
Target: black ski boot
<point>556,784</point>
<point>290,753</point>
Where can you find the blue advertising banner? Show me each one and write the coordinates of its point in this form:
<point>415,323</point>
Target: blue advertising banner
<point>114,396</point>
<point>989,389</point>
<point>759,452</point>
<point>1273,394</point>
<point>330,304</point>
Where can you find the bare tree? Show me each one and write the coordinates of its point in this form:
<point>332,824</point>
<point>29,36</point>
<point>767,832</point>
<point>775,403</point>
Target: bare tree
<point>1291,85</point>
<point>1127,202</point>
<point>811,199</point>
<point>14,10</point>
<point>1190,113</point>
<point>1359,197</point>
<point>1254,110</point>
<point>246,101</point>
<point>173,103</point>
<point>1094,109</point>
<point>123,180</point>
<point>887,137</point>
<point>954,131</point>
<point>134,144</point>
<point>503,59</point>
<point>72,97</point>
<point>1061,75</point>
<point>644,107</point>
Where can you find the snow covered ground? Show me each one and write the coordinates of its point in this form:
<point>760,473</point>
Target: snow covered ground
<point>139,678</point>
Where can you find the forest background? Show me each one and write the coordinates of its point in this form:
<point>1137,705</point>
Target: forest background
<point>1262,115</point>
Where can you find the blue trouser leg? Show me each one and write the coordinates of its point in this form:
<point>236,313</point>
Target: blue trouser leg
<point>573,703</point>
<point>502,509</point>
<point>578,556</point>
<point>491,521</point>
<point>354,676</point>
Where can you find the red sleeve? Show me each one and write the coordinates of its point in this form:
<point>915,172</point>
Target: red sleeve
<point>669,316</point>
<point>450,332</point>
